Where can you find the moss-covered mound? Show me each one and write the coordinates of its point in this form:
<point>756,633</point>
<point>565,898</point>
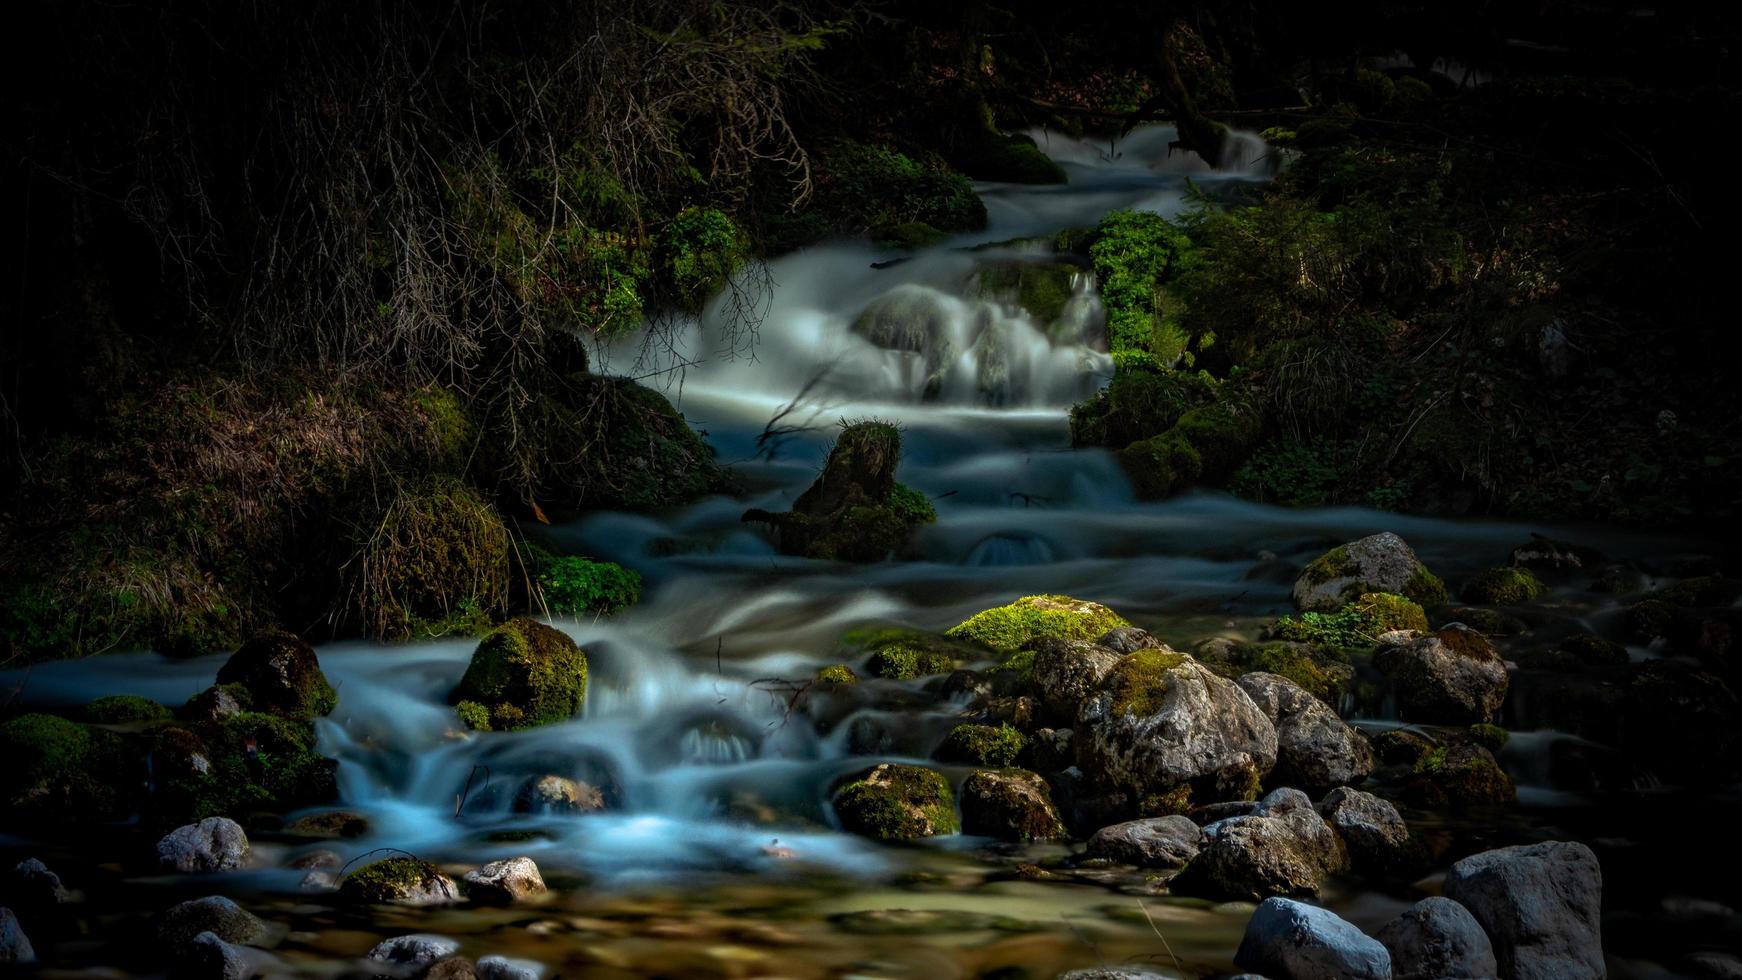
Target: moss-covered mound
<point>1323,672</point>
<point>524,674</point>
<point>996,746</point>
<point>281,675</point>
<point>124,709</point>
<point>1206,445</point>
<point>434,562</point>
<point>836,674</point>
<point>1380,562</point>
<point>1036,617</point>
<point>62,771</point>
<point>1139,402</point>
<point>903,655</point>
<point>1459,775</point>
<point>855,511</point>
<point>399,881</point>
<point>1508,586</point>
<point>238,765</point>
<point>891,802</point>
<point>1009,804</point>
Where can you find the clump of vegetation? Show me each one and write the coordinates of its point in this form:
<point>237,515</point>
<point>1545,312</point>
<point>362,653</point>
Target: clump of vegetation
<point>855,511</point>
<point>574,586</point>
<point>1503,587</point>
<point>124,709</point>
<point>525,674</point>
<point>1135,254</point>
<point>1323,671</point>
<point>905,655</point>
<point>983,745</point>
<point>1139,681</point>
<point>435,562</point>
<point>1355,625</point>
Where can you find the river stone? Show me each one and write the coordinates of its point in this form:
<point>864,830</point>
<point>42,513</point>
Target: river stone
<point>14,944</point>
<point>180,924</point>
<point>329,824</point>
<point>1248,859</point>
<point>1289,940</point>
<point>399,881</point>
<point>1377,563</point>
<point>1066,673</point>
<point>558,794</point>
<point>1314,747</point>
<point>210,707</point>
<point>1371,828</point>
<point>1436,937</point>
<point>452,968</point>
<point>1010,805</point>
<point>1155,842</point>
<point>1130,639</point>
<point>1160,719</point>
<point>1113,973</point>
<point>505,882</point>
<point>415,953</point>
<point>503,968</point>
<point>893,802</point>
<point>1540,905</point>
<point>213,844</point>
<point>1317,840</point>
<point>1451,677</point>
<point>31,884</point>
<point>209,957</point>
<point>281,675</point>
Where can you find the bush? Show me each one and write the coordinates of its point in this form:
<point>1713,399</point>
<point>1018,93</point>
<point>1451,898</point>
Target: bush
<point>575,586</point>
<point>698,252</point>
<point>1135,254</point>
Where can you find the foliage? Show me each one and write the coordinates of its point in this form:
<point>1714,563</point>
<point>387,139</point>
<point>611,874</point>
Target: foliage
<point>1503,587</point>
<point>575,586</point>
<point>436,561</point>
<point>699,249</point>
<point>1135,253</point>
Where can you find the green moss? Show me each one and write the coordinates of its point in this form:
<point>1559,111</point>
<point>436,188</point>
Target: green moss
<point>909,235</point>
<point>1503,587</point>
<point>1041,288</point>
<point>1460,775</point>
<point>1491,737</point>
<point>473,715</point>
<point>439,549</point>
<point>279,674</point>
<point>452,434</point>
<point>610,443</point>
<point>1425,587</point>
<point>908,659</point>
<point>1207,444</point>
<point>894,802</point>
<point>574,586</point>
<point>983,745</point>
<point>1594,650</point>
<point>1139,682</point>
<point>1140,401</point>
<point>1392,612</point>
<point>527,674</point>
<point>60,771</point>
<point>1031,618</point>
<point>697,252</point>
<point>1019,666</point>
<point>1649,619</point>
<point>1173,802</point>
<point>1135,254</point>
<point>123,709</point>
<point>1357,624</point>
<point>837,674</point>
<point>1708,590</point>
<point>913,507</point>
<point>387,881</point>
<point>1324,673</point>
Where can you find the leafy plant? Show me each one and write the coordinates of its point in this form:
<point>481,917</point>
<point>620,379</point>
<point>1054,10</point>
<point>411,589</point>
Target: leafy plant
<point>574,586</point>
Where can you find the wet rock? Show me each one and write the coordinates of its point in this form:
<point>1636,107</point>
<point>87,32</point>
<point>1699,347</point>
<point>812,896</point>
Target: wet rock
<point>415,954</point>
<point>209,957</point>
<point>1540,905</point>
<point>318,880</point>
<point>1288,940</point>
<point>14,944</point>
<point>505,882</point>
<point>178,925</point>
<point>1459,775</point>
<point>983,745</point>
<point>399,881</point>
<point>559,795</point>
<point>1011,805</point>
<point>1436,937</point>
<point>1371,828</point>
<point>1314,747</point>
<point>330,824</point>
<point>892,802</point>
<point>30,884</point>
<point>855,511</point>
<point>1066,673</point>
<point>1024,623</point>
<point>1154,842</point>
<point>213,844</point>
<point>452,968</point>
<point>1548,555</point>
<point>1129,639</point>
<point>1051,750</point>
<point>281,675</point>
<point>1160,720</point>
<point>211,706</point>
<point>1502,587</point>
<point>1377,563</point>
<point>523,675</point>
<point>503,968</point>
<point>1317,840</point>
<point>1453,676</point>
<point>1248,859</point>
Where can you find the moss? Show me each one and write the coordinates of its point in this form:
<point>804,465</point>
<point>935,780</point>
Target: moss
<point>1031,618</point>
<point>837,674</point>
<point>854,511</point>
<point>1161,465</point>
<point>1594,650</point>
<point>908,234</point>
<point>697,252</point>
<point>983,745</point>
<point>1459,775</point>
<point>1392,612</point>
<point>1009,804</point>
<point>1138,403</point>
<point>452,434</point>
<point>1399,747</point>
<point>1173,802</point>
<point>438,550</point>
<point>387,881</point>
<point>1425,587</point>
<point>1650,619</point>
<point>124,709</point>
<point>893,802</point>
<point>527,674</point>
<point>473,715</point>
<point>989,155</point>
<point>1042,289</point>
<point>1491,737</point>
<point>914,507</point>
<point>1503,587</point>
<point>1708,590</point>
<point>610,443</point>
<point>1139,682</point>
<point>1019,668</point>
<point>280,674</point>
<point>1325,674</point>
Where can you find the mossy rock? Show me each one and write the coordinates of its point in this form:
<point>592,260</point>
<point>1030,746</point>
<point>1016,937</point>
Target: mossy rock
<point>281,675</point>
<point>1491,737</point>
<point>610,443</point>
<point>1694,593</point>
<point>1460,775</point>
<point>398,881</point>
<point>526,674</point>
<point>1377,563</point>
<point>1490,622</point>
<point>855,511</point>
<point>908,235</point>
<point>1033,618</point>
<point>257,762</point>
<point>894,802</point>
<point>899,654</point>
<point>1509,586</point>
<point>1390,612</point>
<point>837,675</point>
<point>1040,288</point>
<point>1397,746</point>
<point>1139,682</point>
<point>1321,672</point>
<point>124,709</point>
<point>989,155</point>
<point>63,771</point>
<point>1136,405</point>
<point>1011,805</point>
<point>997,746</point>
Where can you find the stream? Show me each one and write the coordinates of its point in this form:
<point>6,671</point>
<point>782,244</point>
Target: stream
<point>719,857</point>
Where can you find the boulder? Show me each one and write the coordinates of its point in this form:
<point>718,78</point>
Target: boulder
<point>210,706</point>
<point>1458,775</point>
<point>1450,677</point>
<point>329,824</point>
<point>209,957</point>
<point>1314,747</point>
<point>503,968</point>
<point>1129,639</point>
<point>1502,587</point>
<point>1377,563</point>
<point>1030,619</point>
<point>1154,842</point>
<point>1011,805</point>
<point>452,968</point>
<point>1067,672</point>
<point>558,794</point>
<point>1160,720</point>
<point>213,844</point>
<point>32,885</point>
<point>893,802</point>
<point>505,882</point>
<point>1436,937</point>
<point>281,675</point>
<point>1317,840</point>
<point>1247,859</point>
<point>15,946</point>
<point>524,674</point>
<point>1540,905</point>
<point>1288,940</point>
<point>415,954</point>
<point>179,925</point>
<point>855,511</point>
<point>1548,555</point>
<point>997,746</point>
<point>1371,828</point>
<point>398,881</point>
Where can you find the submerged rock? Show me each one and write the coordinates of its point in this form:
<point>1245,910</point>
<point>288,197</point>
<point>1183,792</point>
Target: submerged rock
<point>1009,804</point>
<point>523,675</point>
<point>399,881</point>
<point>178,926</point>
<point>1377,563</point>
<point>1288,940</point>
<point>1436,937</point>
<point>893,802</point>
<point>558,794</point>
<point>281,675</point>
<point>1453,676</point>
<point>213,844</point>
<point>855,511</point>
<point>1315,747</point>
<point>1153,842</point>
<point>505,882</point>
<point>14,944</point>
<point>1541,906</point>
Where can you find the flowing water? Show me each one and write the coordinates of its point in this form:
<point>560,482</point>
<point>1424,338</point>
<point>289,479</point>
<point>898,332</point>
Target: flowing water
<point>718,856</point>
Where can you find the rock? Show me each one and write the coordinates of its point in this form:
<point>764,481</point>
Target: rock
<point>1542,554</point>
<point>452,968</point>
<point>213,844</point>
<point>210,706</point>
<point>982,745</point>
<point>1066,673</point>
<point>1461,774</point>
<point>855,511</point>
<point>524,674</point>
<point>1154,842</point>
<point>32,885</point>
<point>209,957</point>
<point>1030,619</point>
<point>281,675</point>
<point>1378,563</point>
<point>503,968</point>
<point>505,882</point>
<point>1288,940</point>
<point>14,944</point>
<point>1129,639</point>
<point>1323,674</point>
<point>1011,805</point>
<point>178,925</point>
<point>1449,677</point>
<point>1371,828</point>
<point>558,794</point>
<point>1502,587</point>
<point>412,955</point>
<point>1113,973</point>
<point>1051,750</point>
<point>1248,859</point>
<point>399,881</point>
<point>893,802</point>
<point>1540,905</point>
<point>1317,840</point>
<point>329,824</point>
<point>1160,720</point>
<point>1436,937</point>
<point>1314,747</point>
<point>58,771</point>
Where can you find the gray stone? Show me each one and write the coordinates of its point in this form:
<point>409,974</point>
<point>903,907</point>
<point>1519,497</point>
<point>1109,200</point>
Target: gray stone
<point>1130,639</point>
<point>1316,838</point>
<point>1371,828</point>
<point>415,953</point>
<point>1314,747</point>
<point>505,882</point>
<point>180,924</point>
<point>1288,940</point>
<point>209,957</point>
<point>1436,937</point>
<point>1541,906</point>
<point>1452,677</point>
<point>1066,673</point>
<point>1156,842</point>
<point>1248,859</point>
<point>14,944</point>
<point>31,884</point>
<point>1377,563</point>
<point>503,968</point>
<point>213,844</point>
<point>1114,973</point>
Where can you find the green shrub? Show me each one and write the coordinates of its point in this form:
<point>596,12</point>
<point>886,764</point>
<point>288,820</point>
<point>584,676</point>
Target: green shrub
<point>575,586</point>
<point>698,250</point>
<point>1135,253</point>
